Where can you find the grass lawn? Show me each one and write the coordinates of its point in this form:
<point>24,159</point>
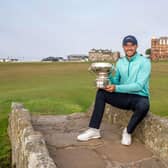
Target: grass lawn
<point>60,88</point>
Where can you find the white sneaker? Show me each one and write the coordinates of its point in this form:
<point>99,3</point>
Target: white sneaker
<point>91,133</point>
<point>126,138</point>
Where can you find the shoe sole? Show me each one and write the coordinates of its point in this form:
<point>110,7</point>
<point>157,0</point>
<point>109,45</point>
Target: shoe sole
<point>125,144</point>
<point>97,137</point>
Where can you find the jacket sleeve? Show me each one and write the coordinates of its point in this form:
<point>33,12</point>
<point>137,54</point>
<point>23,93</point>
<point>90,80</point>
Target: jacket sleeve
<point>142,77</point>
<point>116,78</point>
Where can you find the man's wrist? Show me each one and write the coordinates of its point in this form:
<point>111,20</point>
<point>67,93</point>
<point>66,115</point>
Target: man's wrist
<point>114,88</point>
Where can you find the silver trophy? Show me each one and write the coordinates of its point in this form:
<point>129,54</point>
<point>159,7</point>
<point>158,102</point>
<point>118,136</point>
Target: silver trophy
<point>102,70</point>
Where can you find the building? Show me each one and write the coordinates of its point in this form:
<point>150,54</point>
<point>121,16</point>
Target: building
<point>4,60</point>
<point>103,55</point>
<point>53,59</point>
<point>77,58</point>
<point>159,48</point>
<point>9,60</point>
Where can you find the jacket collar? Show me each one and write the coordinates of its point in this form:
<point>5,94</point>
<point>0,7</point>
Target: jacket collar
<point>133,57</point>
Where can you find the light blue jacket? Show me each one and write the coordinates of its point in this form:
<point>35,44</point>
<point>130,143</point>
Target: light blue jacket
<point>132,76</point>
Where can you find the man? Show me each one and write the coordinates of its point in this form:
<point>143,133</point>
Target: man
<point>128,89</point>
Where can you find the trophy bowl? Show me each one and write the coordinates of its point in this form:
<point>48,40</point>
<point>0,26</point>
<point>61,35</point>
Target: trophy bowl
<point>102,70</point>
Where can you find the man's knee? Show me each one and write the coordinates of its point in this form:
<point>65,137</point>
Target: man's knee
<point>100,93</point>
<point>142,107</point>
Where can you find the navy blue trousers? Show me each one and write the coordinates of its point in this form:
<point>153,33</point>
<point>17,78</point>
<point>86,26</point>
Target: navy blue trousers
<point>138,104</point>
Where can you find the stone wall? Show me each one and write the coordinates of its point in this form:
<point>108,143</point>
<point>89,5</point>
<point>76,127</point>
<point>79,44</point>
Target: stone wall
<point>152,131</point>
<point>28,146</point>
<point>29,149</point>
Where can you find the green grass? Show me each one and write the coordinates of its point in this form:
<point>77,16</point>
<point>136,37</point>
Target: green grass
<point>60,88</point>
<point>159,89</point>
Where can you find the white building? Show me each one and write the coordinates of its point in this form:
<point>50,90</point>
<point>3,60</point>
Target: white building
<point>8,60</point>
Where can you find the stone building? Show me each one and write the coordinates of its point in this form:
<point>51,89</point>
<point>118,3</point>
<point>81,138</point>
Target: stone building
<point>159,48</point>
<point>103,55</point>
<point>77,58</point>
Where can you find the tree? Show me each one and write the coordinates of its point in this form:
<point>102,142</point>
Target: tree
<point>148,51</point>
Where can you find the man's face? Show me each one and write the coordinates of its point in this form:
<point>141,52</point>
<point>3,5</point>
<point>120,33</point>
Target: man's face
<point>130,49</point>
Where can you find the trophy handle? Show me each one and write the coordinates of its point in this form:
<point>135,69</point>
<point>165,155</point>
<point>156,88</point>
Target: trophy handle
<point>90,70</point>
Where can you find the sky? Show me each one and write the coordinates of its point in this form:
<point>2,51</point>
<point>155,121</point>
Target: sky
<point>35,29</point>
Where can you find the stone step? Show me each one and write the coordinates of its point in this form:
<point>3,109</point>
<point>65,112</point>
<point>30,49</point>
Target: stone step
<point>60,134</point>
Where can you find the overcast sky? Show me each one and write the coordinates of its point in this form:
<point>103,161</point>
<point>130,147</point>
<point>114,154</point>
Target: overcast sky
<point>35,29</point>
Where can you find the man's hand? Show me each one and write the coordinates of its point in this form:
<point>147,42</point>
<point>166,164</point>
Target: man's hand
<point>110,88</point>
